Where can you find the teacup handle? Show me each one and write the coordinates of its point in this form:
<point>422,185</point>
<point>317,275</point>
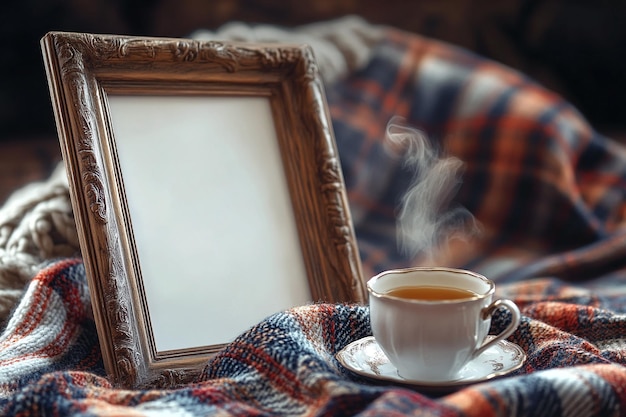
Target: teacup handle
<point>515,320</point>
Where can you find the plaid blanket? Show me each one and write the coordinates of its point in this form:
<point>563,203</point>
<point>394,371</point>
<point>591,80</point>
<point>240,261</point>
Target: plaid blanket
<point>285,365</point>
<point>547,189</point>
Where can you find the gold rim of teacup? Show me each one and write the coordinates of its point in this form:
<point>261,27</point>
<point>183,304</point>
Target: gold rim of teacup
<point>492,286</point>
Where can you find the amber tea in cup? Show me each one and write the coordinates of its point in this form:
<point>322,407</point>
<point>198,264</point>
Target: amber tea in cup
<point>431,293</point>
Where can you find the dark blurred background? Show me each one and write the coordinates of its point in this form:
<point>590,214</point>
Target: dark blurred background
<point>574,47</point>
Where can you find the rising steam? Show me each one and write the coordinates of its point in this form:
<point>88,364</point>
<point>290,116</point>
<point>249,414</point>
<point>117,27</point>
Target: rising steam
<point>429,218</point>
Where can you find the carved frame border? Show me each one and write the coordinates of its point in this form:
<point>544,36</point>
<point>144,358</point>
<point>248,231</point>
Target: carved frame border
<point>81,67</point>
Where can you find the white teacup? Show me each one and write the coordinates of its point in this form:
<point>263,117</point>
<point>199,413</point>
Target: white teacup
<point>432,340</point>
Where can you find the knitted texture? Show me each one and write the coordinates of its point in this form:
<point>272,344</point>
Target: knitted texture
<point>285,365</point>
<point>36,225</point>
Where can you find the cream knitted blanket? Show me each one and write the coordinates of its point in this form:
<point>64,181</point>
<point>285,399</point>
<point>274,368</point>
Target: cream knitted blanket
<point>36,225</point>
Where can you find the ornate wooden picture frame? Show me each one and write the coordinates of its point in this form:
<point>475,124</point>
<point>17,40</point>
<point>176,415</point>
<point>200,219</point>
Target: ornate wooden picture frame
<point>154,131</point>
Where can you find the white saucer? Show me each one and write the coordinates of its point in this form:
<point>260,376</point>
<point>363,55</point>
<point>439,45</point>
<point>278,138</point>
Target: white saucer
<point>365,358</point>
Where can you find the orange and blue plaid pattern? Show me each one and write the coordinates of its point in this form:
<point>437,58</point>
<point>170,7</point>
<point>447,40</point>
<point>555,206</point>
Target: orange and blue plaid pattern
<point>544,185</point>
<point>284,365</point>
